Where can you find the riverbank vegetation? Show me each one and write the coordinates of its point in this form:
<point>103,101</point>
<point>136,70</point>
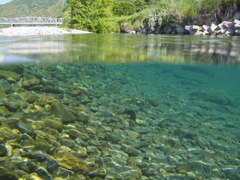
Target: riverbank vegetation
<point>110,15</point>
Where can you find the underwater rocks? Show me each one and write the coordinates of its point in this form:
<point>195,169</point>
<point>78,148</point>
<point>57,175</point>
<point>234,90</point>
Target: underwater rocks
<point>88,131</point>
<point>213,95</point>
<point>59,111</point>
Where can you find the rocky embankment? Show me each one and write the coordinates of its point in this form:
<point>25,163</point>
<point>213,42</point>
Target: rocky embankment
<point>200,26</point>
<point>37,30</point>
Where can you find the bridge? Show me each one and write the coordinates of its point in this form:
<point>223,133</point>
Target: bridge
<point>31,21</point>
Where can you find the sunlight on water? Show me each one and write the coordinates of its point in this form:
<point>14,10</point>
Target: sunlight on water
<point>120,107</point>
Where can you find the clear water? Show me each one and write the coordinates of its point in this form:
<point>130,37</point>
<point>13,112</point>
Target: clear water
<point>184,91</point>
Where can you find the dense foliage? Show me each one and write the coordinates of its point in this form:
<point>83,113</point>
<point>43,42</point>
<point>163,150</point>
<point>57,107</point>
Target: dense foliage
<point>42,8</point>
<point>109,15</point>
<point>123,8</point>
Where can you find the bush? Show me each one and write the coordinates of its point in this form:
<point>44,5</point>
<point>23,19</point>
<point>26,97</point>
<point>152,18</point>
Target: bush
<point>123,8</point>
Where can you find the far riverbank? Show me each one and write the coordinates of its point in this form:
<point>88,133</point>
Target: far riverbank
<point>38,30</point>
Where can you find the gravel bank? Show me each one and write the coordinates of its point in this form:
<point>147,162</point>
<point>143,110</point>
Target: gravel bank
<point>37,30</point>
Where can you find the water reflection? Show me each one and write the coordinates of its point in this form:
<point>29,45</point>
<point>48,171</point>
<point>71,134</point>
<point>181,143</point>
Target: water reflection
<point>122,48</point>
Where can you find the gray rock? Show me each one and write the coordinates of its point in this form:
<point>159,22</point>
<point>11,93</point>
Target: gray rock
<point>25,128</point>
<point>6,174</point>
<point>220,32</point>
<point>167,30</point>
<point>59,111</point>
<point>237,32</point>
<point>83,117</point>
<point>236,15</point>
<point>205,28</point>
<point>212,28</point>
<point>52,166</point>
<point>227,24</point>
<point>180,30</point>
<point>194,30</point>
<point>3,150</point>
<point>92,150</point>
<point>68,142</point>
<point>229,32</point>
<point>237,24</point>
<point>62,172</point>
<point>43,173</point>
<point>100,172</point>
<point>187,29</point>
<point>35,155</point>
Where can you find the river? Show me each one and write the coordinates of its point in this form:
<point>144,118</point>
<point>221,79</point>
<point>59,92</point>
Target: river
<point>119,106</point>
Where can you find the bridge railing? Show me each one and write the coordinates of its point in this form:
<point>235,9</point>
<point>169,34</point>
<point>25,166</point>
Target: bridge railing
<point>31,20</point>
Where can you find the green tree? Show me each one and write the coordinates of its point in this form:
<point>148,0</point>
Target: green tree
<point>90,14</point>
<point>124,8</point>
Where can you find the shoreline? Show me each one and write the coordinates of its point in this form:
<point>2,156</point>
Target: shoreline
<point>38,30</point>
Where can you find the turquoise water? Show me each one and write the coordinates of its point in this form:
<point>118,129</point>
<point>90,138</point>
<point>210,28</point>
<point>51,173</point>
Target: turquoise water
<point>119,107</point>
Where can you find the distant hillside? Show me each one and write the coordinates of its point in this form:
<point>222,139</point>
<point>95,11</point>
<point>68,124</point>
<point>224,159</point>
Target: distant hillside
<point>23,8</point>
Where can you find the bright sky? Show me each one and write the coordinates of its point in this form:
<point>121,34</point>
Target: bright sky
<point>4,1</point>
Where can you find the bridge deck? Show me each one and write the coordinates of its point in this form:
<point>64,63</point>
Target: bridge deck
<point>31,20</point>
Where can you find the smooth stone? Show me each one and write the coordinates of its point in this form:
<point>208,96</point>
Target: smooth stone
<point>100,172</point>
<point>8,134</point>
<point>64,173</point>
<point>36,125</point>
<point>25,128</point>
<point>12,122</point>
<point>9,75</point>
<point>51,89</point>
<point>6,174</point>
<point>4,111</point>
<point>30,82</point>
<point>68,142</point>
<point>92,151</point>
<point>35,155</point>
<point>5,88</point>
<point>43,173</point>
<point>52,166</point>
<point>32,98</point>
<point>83,117</point>
<point>111,137</point>
<point>59,111</point>
<point>71,162</point>
<point>3,150</point>
<point>55,124</point>
<point>28,144</point>
<point>13,105</point>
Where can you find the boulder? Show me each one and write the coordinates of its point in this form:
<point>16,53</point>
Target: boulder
<point>237,32</point>
<point>59,111</point>
<point>236,15</point>
<point>167,30</point>
<point>236,24</point>
<point>187,29</point>
<point>195,30</point>
<point>180,30</point>
<point>229,32</point>
<point>227,24</point>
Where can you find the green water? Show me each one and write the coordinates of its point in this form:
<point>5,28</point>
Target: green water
<point>129,106</point>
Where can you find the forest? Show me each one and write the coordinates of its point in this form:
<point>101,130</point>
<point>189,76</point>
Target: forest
<point>24,8</point>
